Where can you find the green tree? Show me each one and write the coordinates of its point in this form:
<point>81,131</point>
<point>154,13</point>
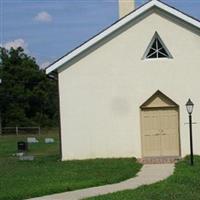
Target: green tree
<point>28,97</point>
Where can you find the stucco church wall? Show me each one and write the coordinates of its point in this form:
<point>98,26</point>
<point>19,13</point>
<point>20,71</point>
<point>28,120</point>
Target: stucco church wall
<point>101,93</point>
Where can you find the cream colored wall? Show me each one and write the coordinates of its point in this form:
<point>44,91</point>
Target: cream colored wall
<point>101,93</point>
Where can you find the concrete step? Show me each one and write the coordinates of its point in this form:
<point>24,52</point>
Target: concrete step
<point>158,160</point>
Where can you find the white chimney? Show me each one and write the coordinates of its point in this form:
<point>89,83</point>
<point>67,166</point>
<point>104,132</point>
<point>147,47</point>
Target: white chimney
<point>125,7</point>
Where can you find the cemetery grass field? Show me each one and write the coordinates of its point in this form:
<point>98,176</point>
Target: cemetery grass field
<point>47,175</point>
<point>184,184</point>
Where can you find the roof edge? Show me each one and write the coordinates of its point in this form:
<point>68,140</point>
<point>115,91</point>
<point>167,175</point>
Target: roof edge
<point>63,60</point>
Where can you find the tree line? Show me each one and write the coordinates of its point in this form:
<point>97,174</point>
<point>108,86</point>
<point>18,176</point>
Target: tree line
<point>28,97</point>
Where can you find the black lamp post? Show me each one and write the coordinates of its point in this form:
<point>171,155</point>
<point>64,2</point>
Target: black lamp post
<point>190,106</point>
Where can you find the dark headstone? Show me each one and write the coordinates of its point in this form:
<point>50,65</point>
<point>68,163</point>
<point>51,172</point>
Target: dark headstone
<point>22,146</point>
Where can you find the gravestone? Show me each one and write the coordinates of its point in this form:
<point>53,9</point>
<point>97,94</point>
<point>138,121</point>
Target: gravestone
<point>26,158</point>
<point>49,140</point>
<point>32,140</point>
<point>19,154</point>
<point>22,146</point>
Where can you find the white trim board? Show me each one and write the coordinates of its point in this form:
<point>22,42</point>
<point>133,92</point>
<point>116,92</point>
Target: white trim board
<point>119,24</point>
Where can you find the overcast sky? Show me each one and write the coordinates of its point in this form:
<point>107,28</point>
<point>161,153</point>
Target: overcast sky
<point>48,29</point>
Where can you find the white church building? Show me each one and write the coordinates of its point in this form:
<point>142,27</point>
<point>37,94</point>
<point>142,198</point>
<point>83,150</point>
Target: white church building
<point>123,92</point>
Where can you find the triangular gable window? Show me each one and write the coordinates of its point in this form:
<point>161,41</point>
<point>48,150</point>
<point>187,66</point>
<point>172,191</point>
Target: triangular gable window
<point>157,49</point>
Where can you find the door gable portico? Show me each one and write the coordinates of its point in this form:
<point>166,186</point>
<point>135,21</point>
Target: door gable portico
<point>158,99</point>
<point>160,127</point>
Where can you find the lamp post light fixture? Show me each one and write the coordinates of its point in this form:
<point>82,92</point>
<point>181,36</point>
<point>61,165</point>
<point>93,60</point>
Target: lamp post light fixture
<point>189,107</point>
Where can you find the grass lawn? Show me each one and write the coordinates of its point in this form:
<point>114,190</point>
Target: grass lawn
<point>47,175</point>
<point>183,185</point>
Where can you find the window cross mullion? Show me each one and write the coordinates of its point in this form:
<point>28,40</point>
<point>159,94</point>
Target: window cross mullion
<point>162,53</point>
<point>151,55</point>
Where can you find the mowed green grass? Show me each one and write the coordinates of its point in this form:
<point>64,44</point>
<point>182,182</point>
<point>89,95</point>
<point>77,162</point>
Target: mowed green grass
<point>47,175</point>
<point>183,185</point>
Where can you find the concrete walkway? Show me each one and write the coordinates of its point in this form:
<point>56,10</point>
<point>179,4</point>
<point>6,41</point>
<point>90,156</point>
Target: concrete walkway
<point>148,174</point>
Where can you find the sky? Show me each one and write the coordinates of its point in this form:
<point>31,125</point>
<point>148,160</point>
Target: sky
<point>48,29</point>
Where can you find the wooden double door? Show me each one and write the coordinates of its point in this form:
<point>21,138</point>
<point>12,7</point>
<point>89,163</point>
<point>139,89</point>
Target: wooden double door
<point>160,132</point>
